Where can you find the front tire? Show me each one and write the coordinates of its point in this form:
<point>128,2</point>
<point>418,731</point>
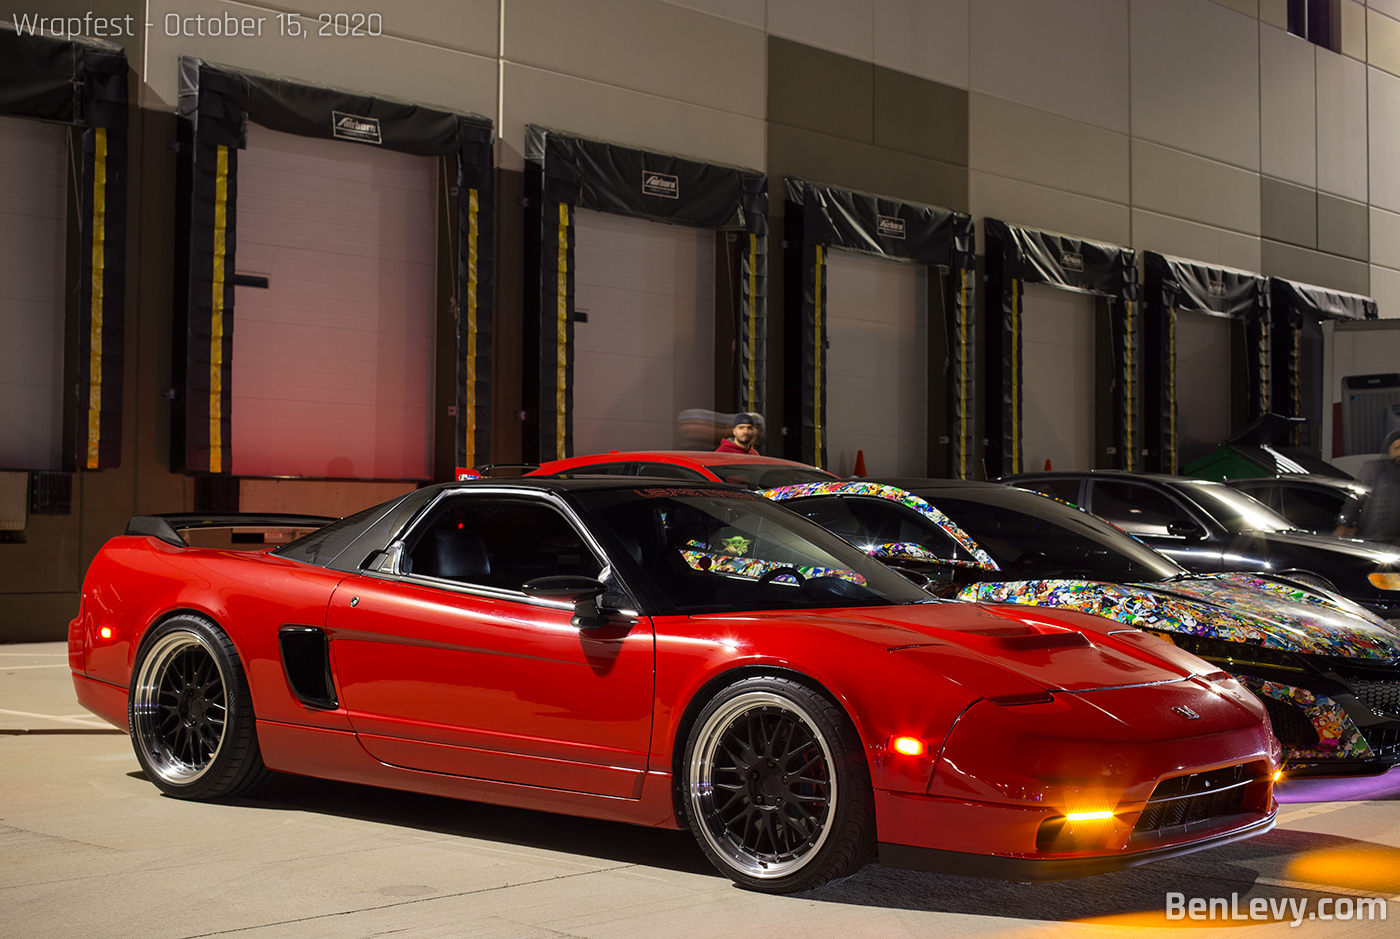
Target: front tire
<point>191,713</point>
<point>777,788</point>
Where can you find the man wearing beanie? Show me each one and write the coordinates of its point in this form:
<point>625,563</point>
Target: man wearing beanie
<point>742,438</point>
<point>1376,517</point>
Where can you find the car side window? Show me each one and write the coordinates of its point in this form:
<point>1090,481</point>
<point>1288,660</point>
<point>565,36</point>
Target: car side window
<point>492,542</point>
<point>868,523</point>
<point>1265,493</point>
<point>1066,490</point>
<point>1312,509</point>
<point>668,471</point>
<point>602,469</point>
<point>1140,510</point>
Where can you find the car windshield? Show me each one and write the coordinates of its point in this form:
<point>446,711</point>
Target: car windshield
<point>1031,536</point>
<point>761,476</point>
<point>701,550</point>
<point>1235,511</point>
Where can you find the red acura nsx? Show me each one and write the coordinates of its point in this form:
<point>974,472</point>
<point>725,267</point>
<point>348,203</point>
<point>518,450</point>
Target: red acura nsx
<point>674,654</point>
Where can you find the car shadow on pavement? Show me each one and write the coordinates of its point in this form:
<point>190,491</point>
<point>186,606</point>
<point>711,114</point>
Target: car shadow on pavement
<point>1252,868</point>
<point>610,841</point>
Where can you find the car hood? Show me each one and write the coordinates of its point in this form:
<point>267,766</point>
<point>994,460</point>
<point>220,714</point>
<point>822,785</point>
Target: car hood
<point>1008,653</point>
<point>1233,608</point>
<point>1343,549</point>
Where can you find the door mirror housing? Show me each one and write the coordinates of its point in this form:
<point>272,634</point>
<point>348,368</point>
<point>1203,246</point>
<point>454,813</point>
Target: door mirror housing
<point>582,592</point>
<point>1185,529</point>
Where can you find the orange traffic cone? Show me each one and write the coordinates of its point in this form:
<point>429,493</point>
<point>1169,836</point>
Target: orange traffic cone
<point>1047,464</point>
<point>860,464</point>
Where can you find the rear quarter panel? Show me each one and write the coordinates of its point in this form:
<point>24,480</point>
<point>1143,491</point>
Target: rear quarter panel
<point>136,582</point>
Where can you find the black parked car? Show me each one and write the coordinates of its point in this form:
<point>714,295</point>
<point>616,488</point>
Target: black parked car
<point>1327,671</point>
<point>1309,501</point>
<point>1206,526</point>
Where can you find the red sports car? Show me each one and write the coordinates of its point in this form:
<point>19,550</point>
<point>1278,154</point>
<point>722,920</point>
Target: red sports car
<point>752,471</point>
<point>681,655</point>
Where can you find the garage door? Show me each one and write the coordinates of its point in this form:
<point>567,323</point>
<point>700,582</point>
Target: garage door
<point>33,165</point>
<point>646,352</point>
<point>1057,355</point>
<point>333,361</point>
<point>877,366</point>
<point>1202,383</point>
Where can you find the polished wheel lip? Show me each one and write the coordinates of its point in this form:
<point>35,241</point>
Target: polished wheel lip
<point>702,785</point>
<point>152,693</point>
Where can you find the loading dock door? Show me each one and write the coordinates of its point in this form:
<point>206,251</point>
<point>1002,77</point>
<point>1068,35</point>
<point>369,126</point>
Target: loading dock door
<point>1058,358</point>
<point>877,371</point>
<point>1203,389</point>
<point>334,360</point>
<point>646,352</point>
<point>33,163</point>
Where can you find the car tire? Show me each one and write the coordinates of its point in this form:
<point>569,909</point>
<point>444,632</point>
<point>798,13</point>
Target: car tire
<point>191,713</point>
<point>776,787</point>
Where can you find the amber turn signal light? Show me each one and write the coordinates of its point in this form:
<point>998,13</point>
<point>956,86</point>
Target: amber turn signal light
<point>1385,580</point>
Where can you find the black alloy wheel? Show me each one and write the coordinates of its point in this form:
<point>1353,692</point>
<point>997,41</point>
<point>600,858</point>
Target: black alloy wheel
<point>191,714</point>
<point>777,789</point>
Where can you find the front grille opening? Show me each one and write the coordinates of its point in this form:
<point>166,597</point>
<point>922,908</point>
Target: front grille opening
<point>1384,741</point>
<point>1382,697</point>
<point>1292,726</point>
<point>1184,804</point>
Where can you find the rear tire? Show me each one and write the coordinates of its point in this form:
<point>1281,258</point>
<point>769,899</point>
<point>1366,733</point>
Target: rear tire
<point>777,788</point>
<point>191,713</point>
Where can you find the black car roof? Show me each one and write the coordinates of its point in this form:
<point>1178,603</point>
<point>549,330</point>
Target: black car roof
<point>585,483</point>
<point>1105,473</point>
<point>918,482</point>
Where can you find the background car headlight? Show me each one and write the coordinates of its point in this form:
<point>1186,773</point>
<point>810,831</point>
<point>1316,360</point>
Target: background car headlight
<point>1385,580</point>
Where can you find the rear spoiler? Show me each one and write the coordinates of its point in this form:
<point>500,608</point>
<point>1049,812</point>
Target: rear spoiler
<point>168,527</point>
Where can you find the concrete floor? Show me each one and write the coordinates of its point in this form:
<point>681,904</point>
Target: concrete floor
<point>88,847</point>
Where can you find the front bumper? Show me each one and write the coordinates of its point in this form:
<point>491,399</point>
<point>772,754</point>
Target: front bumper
<point>1021,869</point>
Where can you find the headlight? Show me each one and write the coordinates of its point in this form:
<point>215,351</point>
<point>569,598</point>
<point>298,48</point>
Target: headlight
<point>1385,580</point>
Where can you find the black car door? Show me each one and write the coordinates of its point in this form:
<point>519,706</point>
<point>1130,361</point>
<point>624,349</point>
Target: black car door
<point>1160,520</point>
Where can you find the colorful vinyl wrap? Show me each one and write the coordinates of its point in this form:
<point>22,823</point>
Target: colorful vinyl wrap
<point>1215,608</point>
<point>715,563</point>
<point>893,494</point>
<point>1337,737</point>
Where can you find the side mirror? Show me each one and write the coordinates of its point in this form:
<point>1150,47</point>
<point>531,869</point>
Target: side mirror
<point>582,592</point>
<point>1185,529</point>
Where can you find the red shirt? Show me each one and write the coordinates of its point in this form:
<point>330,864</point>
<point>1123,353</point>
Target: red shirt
<point>727,445</point>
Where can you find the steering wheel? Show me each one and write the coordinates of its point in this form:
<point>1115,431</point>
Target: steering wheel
<point>769,576</point>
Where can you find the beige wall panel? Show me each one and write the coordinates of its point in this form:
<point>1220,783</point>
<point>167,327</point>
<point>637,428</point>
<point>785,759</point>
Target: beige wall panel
<point>1175,183</point>
<point>748,12</point>
<point>645,46</point>
<point>1384,134</point>
<point>794,152</point>
<point>1287,106</point>
<point>1274,12</point>
<point>386,65</point>
<point>1341,125</point>
<point>1314,267</point>
<point>845,26</point>
<point>1385,238</point>
<point>1195,78</point>
<point>1390,8</point>
<point>1036,147</point>
<point>1041,207</point>
<point>1247,7</point>
<point>1068,57</point>
<point>1205,243</point>
<point>592,109</point>
<point>1385,287</point>
<point>925,37</point>
<point>1354,30</point>
<point>1383,42</point>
